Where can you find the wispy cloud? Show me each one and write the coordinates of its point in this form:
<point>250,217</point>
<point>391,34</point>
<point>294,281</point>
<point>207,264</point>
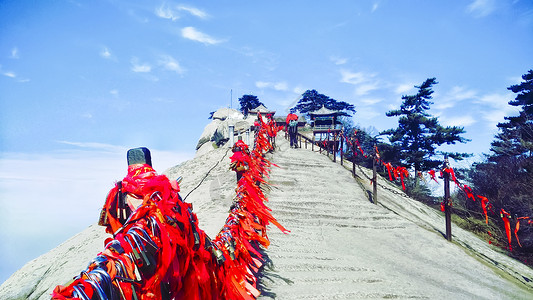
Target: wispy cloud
<point>170,63</point>
<point>278,86</point>
<point>366,88</point>
<point>375,6</point>
<point>364,82</point>
<point>138,67</point>
<point>87,115</point>
<point>94,146</point>
<point>15,53</point>
<point>193,34</point>
<point>353,78</point>
<point>194,11</point>
<point>338,60</point>
<point>456,95</point>
<point>371,101</point>
<point>13,75</point>
<point>173,13</point>
<point>404,88</point>
<point>10,74</point>
<point>367,113</point>
<point>165,12</point>
<point>464,120</point>
<point>105,53</point>
<point>494,107</point>
<point>481,8</point>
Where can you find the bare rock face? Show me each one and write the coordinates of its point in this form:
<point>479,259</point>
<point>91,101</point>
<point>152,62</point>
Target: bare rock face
<point>216,133</point>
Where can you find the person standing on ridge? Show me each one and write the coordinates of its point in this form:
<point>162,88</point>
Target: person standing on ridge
<point>292,125</point>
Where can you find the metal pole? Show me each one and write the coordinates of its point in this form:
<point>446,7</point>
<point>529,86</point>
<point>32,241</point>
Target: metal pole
<point>447,201</point>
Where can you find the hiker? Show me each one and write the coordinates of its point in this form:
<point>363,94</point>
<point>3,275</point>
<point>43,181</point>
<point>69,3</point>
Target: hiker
<point>272,130</point>
<point>292,124</point>
<point>240,160</point>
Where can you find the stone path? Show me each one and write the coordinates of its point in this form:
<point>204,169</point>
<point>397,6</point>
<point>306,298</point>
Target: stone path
<point>341,246</point>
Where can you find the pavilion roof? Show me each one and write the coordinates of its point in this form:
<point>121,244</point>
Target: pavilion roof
<point>324,111</point>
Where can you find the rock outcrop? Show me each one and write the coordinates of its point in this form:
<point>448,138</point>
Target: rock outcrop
<point>216,133</point>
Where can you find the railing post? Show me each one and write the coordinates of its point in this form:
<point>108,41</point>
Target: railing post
<point>353,155</point>
<point>334,147</point>
<point>375,176</point>
<point>327,145</point>
<point>447,200</point>
<point>341,146</point>
<point>300,136</point>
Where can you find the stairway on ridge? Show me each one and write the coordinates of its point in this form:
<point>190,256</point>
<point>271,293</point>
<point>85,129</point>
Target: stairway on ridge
<point>342,246</point>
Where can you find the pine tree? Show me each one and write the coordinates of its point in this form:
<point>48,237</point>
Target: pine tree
<point>515,138</point>
<point>507,175</point>
<point>248,102</point>
<point>312,100</point>
<point>419,134</point>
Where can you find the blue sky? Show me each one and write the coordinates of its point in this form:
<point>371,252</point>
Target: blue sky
<point>81,82</point>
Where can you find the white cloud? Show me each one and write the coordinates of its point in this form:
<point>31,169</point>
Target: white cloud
<point>192,34</point>
<point>465,120</point>
<point>460,93</point>
<point>353,78</point>
<point>454,96</point>
<point>367,113</point>
<point>170,63</point>
<point>166,12</point>
<point>494,107</point>
<point>364,89</point>
<point>402,89</point>
<point>15,53</point>
<point>105,53</point>
<point>10,74</point>
<point>364,82</point>
<point>375,6</point>
<point>338,60</point>
<point>370,101</point>
<point>281,86</point>
<point>194,11</point>
<point>278,86</point>
<point>138,67</point>
<point>481,8</point>
<point>114,92</point>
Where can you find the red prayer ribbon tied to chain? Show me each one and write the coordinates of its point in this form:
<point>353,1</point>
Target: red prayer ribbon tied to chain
<point>159,252</point>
